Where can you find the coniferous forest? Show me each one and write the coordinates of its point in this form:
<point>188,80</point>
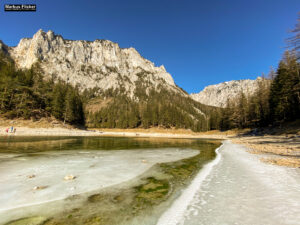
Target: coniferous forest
<point>276,101</point>
<point>161,108</point>
<point>25,94</point>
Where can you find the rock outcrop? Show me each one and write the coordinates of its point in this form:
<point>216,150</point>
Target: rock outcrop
<point>98,64</point>
<point>217,95</point>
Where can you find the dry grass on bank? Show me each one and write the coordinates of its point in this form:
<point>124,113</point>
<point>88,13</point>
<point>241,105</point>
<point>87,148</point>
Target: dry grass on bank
<point>287,161</point>
<point>285,149</point>
<point>278,145</point>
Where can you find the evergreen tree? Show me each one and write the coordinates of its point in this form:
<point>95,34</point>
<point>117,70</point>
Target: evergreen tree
<point>73,112</point>
<point>25,94</point>
<point>58,101</point>
<point>285,90</point>
<point>294,42</point>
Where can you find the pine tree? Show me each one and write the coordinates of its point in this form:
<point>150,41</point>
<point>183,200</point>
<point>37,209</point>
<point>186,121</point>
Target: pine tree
<point>294,42</point>
<point>58,101</point>
<point>285,90</point>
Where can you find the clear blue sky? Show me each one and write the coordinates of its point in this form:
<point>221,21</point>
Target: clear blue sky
<point>199,42</point>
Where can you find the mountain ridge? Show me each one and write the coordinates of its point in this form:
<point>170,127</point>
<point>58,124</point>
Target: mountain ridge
<point>98,64</point>
<point>103,64</point>
<point>218,94</point>
<point>114,87</point>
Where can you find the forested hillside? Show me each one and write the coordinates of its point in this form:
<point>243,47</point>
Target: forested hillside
<point>158,107</point>
<point>276,101</point>
<point>149,98</point>
<point>24,94</point>
<point>93,83</point>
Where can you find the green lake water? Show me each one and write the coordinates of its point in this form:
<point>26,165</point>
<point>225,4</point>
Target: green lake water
<point>137,201</point>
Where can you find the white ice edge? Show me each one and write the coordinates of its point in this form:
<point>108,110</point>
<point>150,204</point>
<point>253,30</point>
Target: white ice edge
<point>175,213</point>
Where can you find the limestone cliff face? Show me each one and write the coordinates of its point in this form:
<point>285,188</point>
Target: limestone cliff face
<point>217,95</point>
<point>99,64</point>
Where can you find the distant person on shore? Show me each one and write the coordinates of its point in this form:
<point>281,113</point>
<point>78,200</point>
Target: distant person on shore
<point>11,129</point>
<point>6,130</point>
<point>15,129</point>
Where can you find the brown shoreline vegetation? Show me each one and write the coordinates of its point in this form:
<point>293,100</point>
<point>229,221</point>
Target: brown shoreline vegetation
<point>282,150</point>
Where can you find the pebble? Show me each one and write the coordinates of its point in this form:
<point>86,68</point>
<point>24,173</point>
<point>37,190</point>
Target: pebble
<point>69,177</point>
<point>39,187</point>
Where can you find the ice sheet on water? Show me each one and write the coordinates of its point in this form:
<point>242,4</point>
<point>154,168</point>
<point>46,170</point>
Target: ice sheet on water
<point>28,180</point>
<point>175,214</point>
<point>242,190</point>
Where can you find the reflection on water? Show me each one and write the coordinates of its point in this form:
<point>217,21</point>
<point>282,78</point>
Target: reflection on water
<point>138,201</point>
<point>17,144</point>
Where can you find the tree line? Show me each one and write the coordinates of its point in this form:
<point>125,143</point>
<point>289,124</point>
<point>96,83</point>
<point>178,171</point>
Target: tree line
<point>276,100</point>
<point>25,94</point>
<point>153,107</point>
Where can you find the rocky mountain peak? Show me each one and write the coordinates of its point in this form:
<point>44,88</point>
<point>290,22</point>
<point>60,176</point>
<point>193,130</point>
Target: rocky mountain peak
<point>88,64</point>
<point>217,95</point>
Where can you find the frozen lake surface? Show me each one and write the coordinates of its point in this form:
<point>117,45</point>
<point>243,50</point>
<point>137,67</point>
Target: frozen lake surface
<point>93,170</point>
<point>236,188</point>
